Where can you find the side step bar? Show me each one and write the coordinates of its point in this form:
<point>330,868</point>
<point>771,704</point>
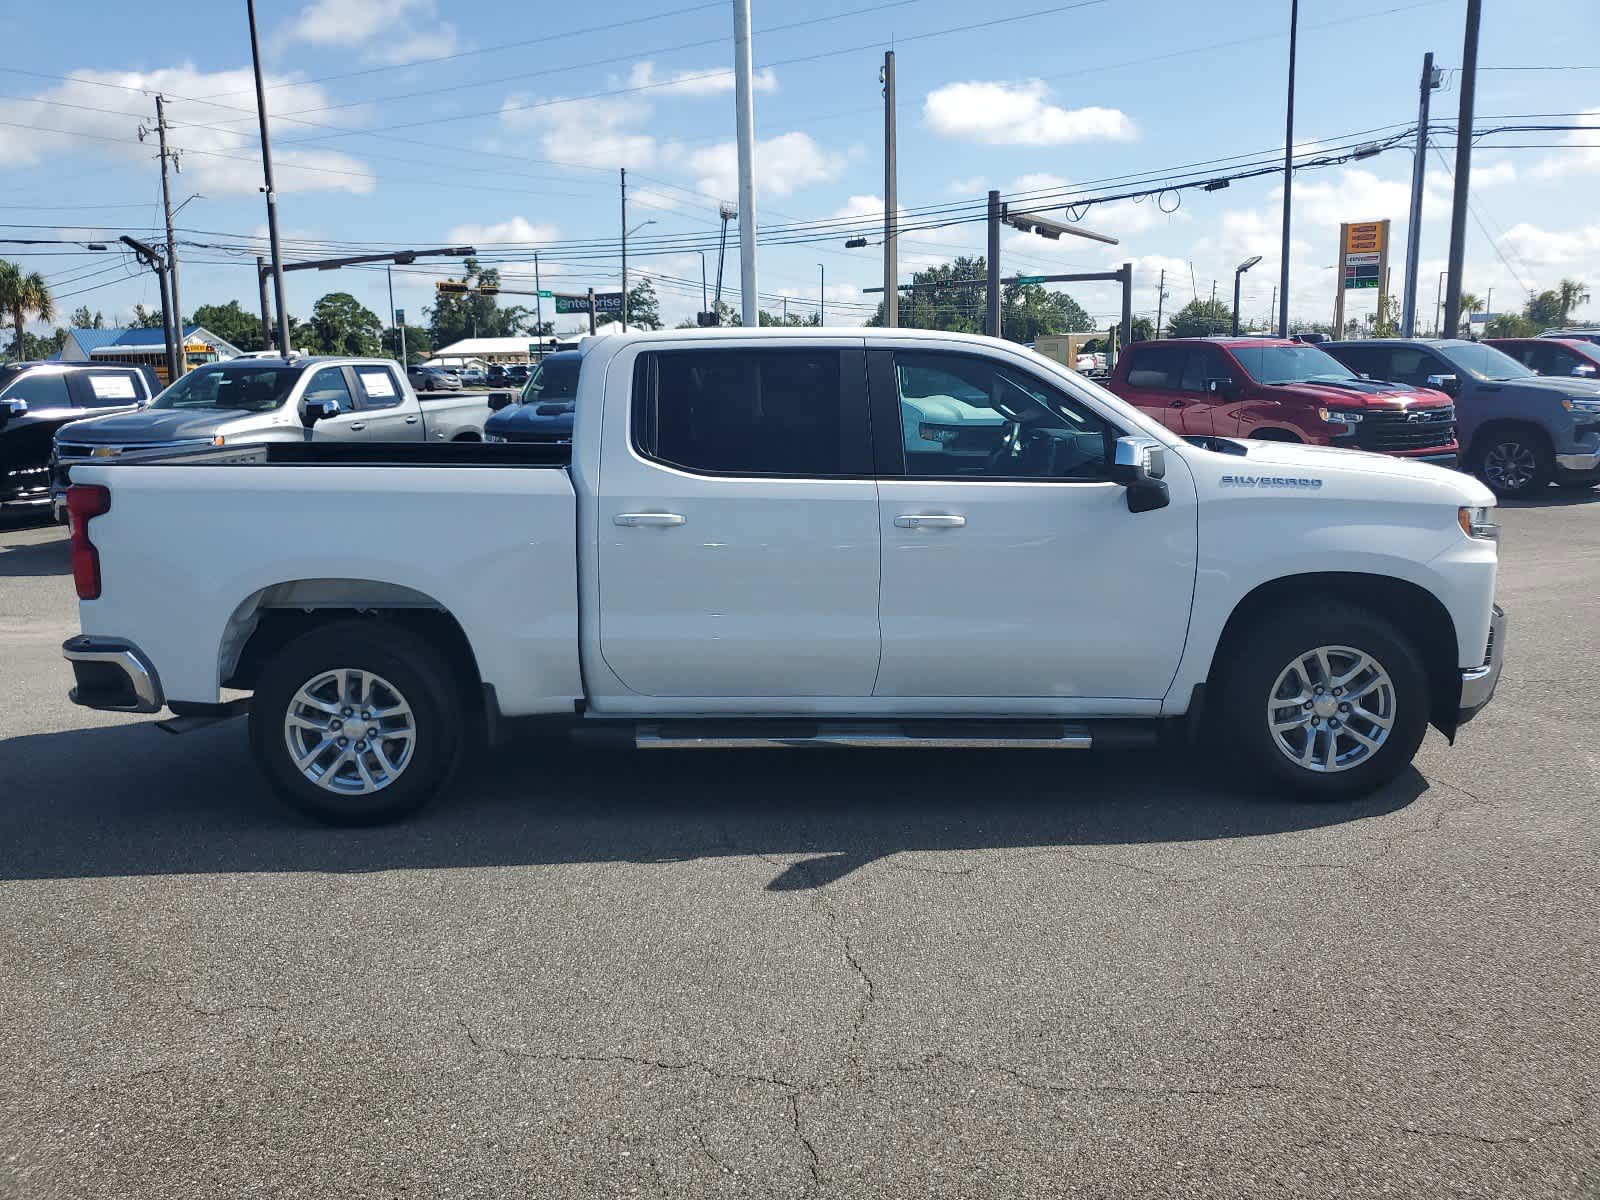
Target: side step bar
<point>965,736</point>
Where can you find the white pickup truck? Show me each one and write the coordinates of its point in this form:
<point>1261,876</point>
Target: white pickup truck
<point>749,546</point>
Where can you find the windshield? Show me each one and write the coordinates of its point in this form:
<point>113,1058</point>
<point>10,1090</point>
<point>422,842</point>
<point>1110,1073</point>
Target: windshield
<point>245,388</point>
<point>1485,362</point>
<point>7,374</point>
<point>1292,364</point>
<point>556,379</point>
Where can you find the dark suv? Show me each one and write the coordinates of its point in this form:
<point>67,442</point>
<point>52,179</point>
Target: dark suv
<point>1519,430</point>
<point>37,398</point>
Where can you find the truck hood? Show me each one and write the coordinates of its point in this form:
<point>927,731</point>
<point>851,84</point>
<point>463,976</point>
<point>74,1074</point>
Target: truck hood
<point>545,418</point>
<point>1556,386</point>
<point>1277,457</point>
<point>1365,393</point>
<point>150,425</point>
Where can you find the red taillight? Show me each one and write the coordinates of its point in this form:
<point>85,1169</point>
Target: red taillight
<point>85,500</point>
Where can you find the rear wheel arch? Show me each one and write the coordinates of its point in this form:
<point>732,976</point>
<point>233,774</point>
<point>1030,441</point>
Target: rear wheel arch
<point>1414,611</point>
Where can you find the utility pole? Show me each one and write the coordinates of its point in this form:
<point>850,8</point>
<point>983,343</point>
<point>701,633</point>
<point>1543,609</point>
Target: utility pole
<point>624,171</point>
<point>1127,306</point>
<point>891,266</point>
<point>538,298</point>
<point>591,310</point>
<point>1288,174</point>
<point>705,299</point>
<point>272,195</point>
<point>1458,210</point>
<point>751,300</point>
<point>786,310</point>
<point>1274,306</point>
<point>266,309</point>
<point>727,214</point>
<point>992,320</point>
<point>1408,302</point>
<point>822,295</point>
<point>151,257</point>
<point>180,359</point>
<point>1161,299</point>
<point>1211,313</point>
<point>394,313</point>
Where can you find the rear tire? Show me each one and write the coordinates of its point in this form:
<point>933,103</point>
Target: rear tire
<point>1279,728</point>
<point>386,688</point>
<point>1515,461</point>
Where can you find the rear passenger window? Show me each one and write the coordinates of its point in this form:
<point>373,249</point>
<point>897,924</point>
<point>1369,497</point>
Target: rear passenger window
<point>1156,368</point>
<point>110,389</point>
<point>746,412</point>
<point>379,388</point>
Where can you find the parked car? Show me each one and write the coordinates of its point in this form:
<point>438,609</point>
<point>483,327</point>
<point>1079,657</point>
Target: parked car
<point>473,376</point>
<point>434,379</point>
<point>1552,356</point>
<point>544,412</point>
<point>517,374</point>
<point>497,376</point>
<point>1281,390</point>
<point>1519,431</point>
<point>1589,334</point>
<point>38,398</point>
<point>736,550</point>
<point>272,400</point>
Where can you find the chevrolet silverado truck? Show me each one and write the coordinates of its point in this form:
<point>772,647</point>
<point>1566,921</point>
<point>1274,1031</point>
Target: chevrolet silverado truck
<point>738,549</point>
<point>1282,390</point>
<point>275,399</point>
<point>1520,431</point>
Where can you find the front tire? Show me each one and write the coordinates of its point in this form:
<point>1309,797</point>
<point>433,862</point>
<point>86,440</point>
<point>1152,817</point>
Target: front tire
<point>357,723</point>
<point>1515,462</point>
<point>1324,702</point>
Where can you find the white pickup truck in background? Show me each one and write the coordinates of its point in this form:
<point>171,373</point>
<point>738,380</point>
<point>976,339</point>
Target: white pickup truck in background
<point>751,545</point>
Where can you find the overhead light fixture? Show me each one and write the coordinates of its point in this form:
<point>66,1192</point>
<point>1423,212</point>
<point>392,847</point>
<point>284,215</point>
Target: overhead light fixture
<point>1370,150</point>
<point>1046,228</point>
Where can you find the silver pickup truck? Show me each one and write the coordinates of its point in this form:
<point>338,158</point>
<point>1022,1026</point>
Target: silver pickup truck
<point>256,400</point>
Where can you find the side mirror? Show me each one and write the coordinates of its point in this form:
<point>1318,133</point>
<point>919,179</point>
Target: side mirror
<point>1140,466</point>
<point>319,410</point>
<point>499,400</point>
<point>11,408</point>
<point>1585,370</point>
<point>1448,384</point>
<point>1219,387</point>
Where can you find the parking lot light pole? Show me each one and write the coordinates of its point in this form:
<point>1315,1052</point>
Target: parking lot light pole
<point>1288,174</point>
<point>271,191</point>
<point>1238,273</point>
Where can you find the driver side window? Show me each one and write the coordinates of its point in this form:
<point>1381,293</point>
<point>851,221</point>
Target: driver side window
<point>966,417</point>
<point>328,384</point>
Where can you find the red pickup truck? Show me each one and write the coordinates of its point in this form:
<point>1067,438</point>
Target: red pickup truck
<point>1284,391</point>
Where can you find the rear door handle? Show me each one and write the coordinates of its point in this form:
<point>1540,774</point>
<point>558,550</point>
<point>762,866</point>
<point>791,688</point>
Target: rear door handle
<point>641,520</point>
<point>358,427</point>
<point>1178,403</point>
<point>930,521</point>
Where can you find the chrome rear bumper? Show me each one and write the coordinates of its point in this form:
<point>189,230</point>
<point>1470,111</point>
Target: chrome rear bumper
<point>112,675</point>
<point>1478,683</point>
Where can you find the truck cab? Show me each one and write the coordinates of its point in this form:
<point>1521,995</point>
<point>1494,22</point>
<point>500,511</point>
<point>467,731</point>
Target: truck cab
<point>1282,390</point>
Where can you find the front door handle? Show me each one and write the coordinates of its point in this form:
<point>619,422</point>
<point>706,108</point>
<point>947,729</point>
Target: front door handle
<point>1179,403</point>
<point>640,520</point>
<point>358,427</point>
<point>412,420</point>
<point>930,521</point>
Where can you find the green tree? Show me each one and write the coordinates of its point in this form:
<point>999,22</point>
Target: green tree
<point>1200,318</point>
<point>1143,330</point>
<point>1571,293</point>
<point>1511,325</point>
<point>475,313</point>
<point>83,319</point>
<point>22,293</point>
<point>418,343</point>
<point>341,324</point>
<point>1544,309</point>
<point>1388,323</point>
<point>792,321</point>
<point>644,310</point>
<point>145,318</point>
<point>232,323</point>
<point>1032,311</point>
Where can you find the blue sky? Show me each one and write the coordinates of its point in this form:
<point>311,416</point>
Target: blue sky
<point>417,123</point>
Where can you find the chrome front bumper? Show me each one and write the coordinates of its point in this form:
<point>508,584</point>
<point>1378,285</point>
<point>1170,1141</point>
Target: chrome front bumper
<point>112,675</point>
<point>1478,683</point>
<point>1589,460</point>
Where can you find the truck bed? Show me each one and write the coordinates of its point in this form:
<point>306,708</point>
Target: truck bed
<point>359,454</point>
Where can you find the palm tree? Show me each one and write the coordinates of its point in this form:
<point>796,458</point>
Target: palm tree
<point>1571,293</point>
<point>21,294</point>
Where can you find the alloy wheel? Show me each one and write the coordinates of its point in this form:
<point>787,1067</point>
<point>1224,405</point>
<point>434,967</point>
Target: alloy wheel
<point>1510,466</point>
<point>1331,709</point>
<point>350,731</point>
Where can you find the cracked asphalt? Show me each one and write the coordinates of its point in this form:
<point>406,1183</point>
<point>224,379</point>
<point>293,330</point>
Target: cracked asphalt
<point>807,975</point>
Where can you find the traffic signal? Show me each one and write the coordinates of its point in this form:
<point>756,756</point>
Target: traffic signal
<point>488,289</point>
<point>450,285</point>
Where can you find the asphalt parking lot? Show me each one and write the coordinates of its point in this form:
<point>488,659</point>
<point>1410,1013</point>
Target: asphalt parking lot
<point>828,974</point>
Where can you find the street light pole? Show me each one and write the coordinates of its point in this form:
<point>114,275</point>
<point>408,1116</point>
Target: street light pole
<point>746,113</point>
<point>1458,210</point>
<point>272,194</point>
<point>1288,174</point>
<point>1408,306</point>
<point>1238,274</point>
<point>624,171</point>
<point>891,268</point>
<point>822,295</point>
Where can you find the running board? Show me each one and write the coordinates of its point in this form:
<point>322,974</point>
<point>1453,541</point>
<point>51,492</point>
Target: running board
<point>966,736</point>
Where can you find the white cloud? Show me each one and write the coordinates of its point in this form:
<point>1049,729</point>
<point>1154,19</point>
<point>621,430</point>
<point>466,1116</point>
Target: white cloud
<point>865,208</point>
<point>1493,174</point>
<point>513,229</point>
<point>1038,181</point>
<point>217,145</point>
<point>971,185</point>
<point>389,31</point>
<point>1581,158</point>
<point>1018,114</point>
<point>598,132</point>
<point>783,164</point>
<point>1552,248</point>
<point>705,81</point>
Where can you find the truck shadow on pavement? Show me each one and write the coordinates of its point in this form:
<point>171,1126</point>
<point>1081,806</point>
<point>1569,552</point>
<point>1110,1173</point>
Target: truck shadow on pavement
<point>130,800</point>
<point>34,559</point>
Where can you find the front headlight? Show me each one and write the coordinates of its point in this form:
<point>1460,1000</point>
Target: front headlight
<point>1337,416</point>
<point>1476,523</point>
<point>1588,408</point>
